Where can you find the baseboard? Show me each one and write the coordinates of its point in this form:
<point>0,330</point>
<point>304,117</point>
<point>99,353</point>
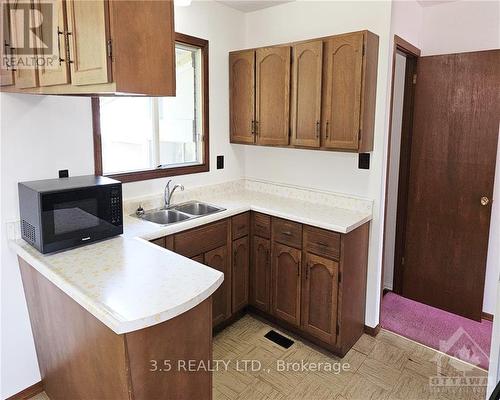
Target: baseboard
<point>28,393</point>
<point>486,316</point>
<point>372,331</point>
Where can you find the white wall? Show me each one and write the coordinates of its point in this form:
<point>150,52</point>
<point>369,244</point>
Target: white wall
<point>460,26</point>
<point>393,176</point>
<point>332,171</point>
<point>42,134</point>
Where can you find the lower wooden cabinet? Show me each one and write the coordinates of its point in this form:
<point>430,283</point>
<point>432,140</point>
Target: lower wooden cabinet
<point>286,273</point>
<point>218,259</point>
<point>260,295</point>
<point>309,280</point>
<point>319,297</point>
<point>241,261</point>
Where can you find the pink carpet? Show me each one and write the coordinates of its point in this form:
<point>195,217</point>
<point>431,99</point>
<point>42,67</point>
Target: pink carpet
<point>454,335</point>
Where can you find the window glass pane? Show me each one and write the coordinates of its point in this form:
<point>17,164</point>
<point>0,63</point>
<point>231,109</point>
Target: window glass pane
<point>180,116</point>
<point>126,134</point>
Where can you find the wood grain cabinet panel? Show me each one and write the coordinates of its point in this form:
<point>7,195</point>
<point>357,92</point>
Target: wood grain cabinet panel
<point>221,299</point>
<point>24,78</point>
<point>261,225</point>
<point>261,273</point>
<point>319,297</point>
<point>240,225</point>
<point>342,91</point>
<point>322,242</point>
<point>286,272</point>
<point>272,95</point>
<point>88,32</point>
<point>200,240</point>
<point>7,73</point>
<point>242,96</point>
<point>239,275</point>
<point>306,93</point>
<point>287,232</point>
<point>58,73</point>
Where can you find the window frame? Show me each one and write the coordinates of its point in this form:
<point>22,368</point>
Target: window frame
<point>156,173</point>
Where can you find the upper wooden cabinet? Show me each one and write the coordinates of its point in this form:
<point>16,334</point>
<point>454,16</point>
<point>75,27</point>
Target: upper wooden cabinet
<point>306,93</point>
<point>88,40</point>
<point>7,73</point>
<point>272,107</point>
<point>106,46</point>
<point>333,86</point>
<point>242,96</point>
<point>59,73</point>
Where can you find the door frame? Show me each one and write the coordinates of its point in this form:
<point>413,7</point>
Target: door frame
<point>412,53</point>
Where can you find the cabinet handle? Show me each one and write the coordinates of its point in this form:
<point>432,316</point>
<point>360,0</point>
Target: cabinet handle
<point>11,51</point>
<point>256,129</point>
<point>260,226</point>
<point>252,127</point>
<point>59,33</point>
<point>287,233</point>
<point>68,54</point>
<point>327,130</point>
<point>307,270</point>
<point>298,268</point>
<point>322,244</point>
<point>267,257</point>
<point>318,127</point>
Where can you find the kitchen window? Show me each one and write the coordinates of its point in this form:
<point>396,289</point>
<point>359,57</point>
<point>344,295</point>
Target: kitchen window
<point>139,138</point>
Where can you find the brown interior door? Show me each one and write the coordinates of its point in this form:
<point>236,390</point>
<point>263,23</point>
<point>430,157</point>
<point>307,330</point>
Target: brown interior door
<point>454,146</point>
<point>272,106</point>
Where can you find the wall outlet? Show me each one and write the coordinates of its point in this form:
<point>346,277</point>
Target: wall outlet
<point>364,161</point>
<point>63,173</point>
<point>220,162</point>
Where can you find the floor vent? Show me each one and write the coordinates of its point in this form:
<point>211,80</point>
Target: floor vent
<point>279,339</point>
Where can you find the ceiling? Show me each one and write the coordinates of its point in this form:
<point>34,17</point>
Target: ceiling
<point>252,5</point>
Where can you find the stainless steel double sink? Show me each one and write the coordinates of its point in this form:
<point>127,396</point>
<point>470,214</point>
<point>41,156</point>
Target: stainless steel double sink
<point>179,212</point>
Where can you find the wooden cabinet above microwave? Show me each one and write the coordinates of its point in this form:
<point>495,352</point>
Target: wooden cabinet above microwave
<point>102,47</point>
<point>316,94</point>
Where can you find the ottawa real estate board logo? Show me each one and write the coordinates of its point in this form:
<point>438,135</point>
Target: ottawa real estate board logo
<point>30,35</point>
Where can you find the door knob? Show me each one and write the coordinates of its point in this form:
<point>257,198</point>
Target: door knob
<point>484,201</point>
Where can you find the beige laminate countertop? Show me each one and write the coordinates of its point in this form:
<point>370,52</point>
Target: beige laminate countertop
<point>129,284</point>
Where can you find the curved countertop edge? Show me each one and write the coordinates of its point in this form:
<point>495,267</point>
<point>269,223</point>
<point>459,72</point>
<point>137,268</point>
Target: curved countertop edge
<point>113,320</point>
<point>144,231</point>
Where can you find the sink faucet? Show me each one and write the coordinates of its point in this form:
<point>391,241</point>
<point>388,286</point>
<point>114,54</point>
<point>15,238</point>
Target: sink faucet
<point>168,193</point>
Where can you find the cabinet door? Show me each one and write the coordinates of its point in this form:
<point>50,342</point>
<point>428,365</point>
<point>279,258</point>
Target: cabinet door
<point>242,96</point>
<point>273,95</point>
<point>88,35</point>
<point>239,276</point>
<point>286,283</point>
<point>306,93</point>
<point>319,297</point>
<point>58,72</point>
<point>342,91</point>
<point>25,78</point>
<point>221,299</point>
<point>261,273</point>
<point>6,72</point>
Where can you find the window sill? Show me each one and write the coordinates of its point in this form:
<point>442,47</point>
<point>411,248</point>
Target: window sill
<point>159,173</point>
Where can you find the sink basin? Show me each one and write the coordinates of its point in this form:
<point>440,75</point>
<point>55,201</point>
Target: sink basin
<point>164,217</point>
<point>197,208</point>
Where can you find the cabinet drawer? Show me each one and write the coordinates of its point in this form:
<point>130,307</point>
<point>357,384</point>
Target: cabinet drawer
<point>159,242</point>
<point>240,225</point>
<point>287,232</point>
<point>200,240</point>
<point>322,242</point>
<point>261,225</point>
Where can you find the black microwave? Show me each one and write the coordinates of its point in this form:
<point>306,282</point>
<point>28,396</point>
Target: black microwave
<point>57,214</point>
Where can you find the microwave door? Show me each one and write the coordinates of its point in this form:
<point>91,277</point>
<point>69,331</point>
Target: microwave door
<point>77,216</point>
